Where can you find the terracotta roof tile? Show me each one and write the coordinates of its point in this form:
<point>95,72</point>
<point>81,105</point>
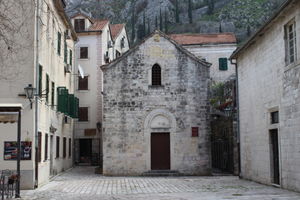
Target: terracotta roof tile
<point>115,30</point>
<point>98,25</point>
<point>193,39</point>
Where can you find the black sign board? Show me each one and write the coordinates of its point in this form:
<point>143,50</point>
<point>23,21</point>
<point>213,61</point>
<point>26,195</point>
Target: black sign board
<point>11,150</point>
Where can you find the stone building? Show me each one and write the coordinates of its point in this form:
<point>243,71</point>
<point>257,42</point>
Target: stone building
<point>156,110</point>
<point>269,89</point>
<point>214,48</point>
<point>99,43</point>
<point>40,56</point>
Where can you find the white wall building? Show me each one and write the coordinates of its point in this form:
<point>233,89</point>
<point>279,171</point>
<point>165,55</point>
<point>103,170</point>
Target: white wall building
<point>269,89</point>
<point>47,128</point>
<point>214,48</point>
<point>99,43</point>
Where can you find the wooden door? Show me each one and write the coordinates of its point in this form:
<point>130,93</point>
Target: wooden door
<point>160,151</point>
<point>275,156</point>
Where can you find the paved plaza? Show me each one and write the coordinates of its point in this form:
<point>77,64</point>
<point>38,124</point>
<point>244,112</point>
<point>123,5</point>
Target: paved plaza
<point>82,183</point>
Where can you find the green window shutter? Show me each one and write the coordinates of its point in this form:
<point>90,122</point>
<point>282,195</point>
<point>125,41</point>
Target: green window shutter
<point>61,100</point>
<point>40,80</point>
<point>58,42</point>
<point>65,49</point>
<point>71,57</point>
<point>223,64</point>
<point>52,93</point>
<point>47,88</point>
<point>66,100</point>
<point>76,107</point>
<point>71,105</point>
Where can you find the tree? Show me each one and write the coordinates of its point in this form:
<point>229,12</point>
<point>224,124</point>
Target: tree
<point>144,24</point>
<point>148,29</point>
<point>190,11</point>
<point>133,22</point>
<point>156,23</point>
<point>176,11</point>
<point>160,20</point>
<point>211,6</point>
<point>166,22</point>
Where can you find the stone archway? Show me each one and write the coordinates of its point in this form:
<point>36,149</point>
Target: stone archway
<point>159,121</point>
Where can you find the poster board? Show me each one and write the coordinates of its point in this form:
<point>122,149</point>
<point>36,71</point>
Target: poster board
<point>11,150</point>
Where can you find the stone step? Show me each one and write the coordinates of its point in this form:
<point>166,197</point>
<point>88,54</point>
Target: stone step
<point>161,173</point>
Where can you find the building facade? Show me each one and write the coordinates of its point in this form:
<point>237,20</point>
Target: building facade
<point>156,110</point>
<point>214,48</point>
<point>99,43</point>
<point>268,82</point>
<point>41,57</point>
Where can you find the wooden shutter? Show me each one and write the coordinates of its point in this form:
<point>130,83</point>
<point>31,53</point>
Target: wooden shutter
<point>70,147</point>
<point>47,87</point>
<point>64,147</point>
<point>46,147</point>
<point>71,57</point>
<point>58,42</point>
<point>57,146</point>
<point>40,80</point>
<point>223,64</point>
<point>83,114</point>
<point>39,146</point>
<point>65,49</point>
<point>83,83</point>
<point>52,93</point>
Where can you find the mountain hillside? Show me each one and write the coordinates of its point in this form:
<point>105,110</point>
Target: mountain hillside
<point>242,17</point>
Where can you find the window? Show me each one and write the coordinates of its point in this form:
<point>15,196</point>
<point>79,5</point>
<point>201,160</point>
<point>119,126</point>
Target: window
<point>118,54</point>
<point>83,83</point>
<point>223,64</point>
<point>84,52</point>
<point>39,147</point>
<point>275,117</point>
<point>58,42</point>
<point>70,147</point>
<point>79,25</point>
<point>65,147</point>
<point>71,57</point>
<point>52,94</point>
<point>57,146</point>
<point>40,80</point>
<point>290,41</point>
<point>65,48</point>
<point>156,75</point>
<point>47,88</point>
<point>83,114</point>
<point>46,147</point>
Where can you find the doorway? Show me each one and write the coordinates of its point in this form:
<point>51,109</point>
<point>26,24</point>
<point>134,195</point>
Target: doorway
<point>275,156</point>
<point>85,151</point>
<point>160,151</point>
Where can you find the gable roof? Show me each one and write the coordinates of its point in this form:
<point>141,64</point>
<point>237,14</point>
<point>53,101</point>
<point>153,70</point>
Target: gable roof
<point>178,46</point>
<point>116,30</point>
<point>98,25</point>
<point>262,29</point>
<point>194,39</point>
<point>81,13</point>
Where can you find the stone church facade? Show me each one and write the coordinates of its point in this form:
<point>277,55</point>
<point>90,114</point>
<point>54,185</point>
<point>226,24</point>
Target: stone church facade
<point>156,110</point>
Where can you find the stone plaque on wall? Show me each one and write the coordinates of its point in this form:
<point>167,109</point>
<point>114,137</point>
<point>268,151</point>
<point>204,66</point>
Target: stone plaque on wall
<point>90,132</point>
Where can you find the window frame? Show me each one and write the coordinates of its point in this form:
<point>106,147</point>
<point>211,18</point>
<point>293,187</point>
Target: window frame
<point>223,66</point>
<point>87,52</point>
<point>81,83</point>
<point>78,25</point>
<point>289,58</point>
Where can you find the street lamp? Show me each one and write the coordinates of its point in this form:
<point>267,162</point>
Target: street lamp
<point>30,93</point>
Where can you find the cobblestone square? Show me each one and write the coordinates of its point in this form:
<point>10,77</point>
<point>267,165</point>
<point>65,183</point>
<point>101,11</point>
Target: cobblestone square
<point>82,183</point>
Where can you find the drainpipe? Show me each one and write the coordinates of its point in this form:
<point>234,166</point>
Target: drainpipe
<point>37,89</point>
<point>234,62</point>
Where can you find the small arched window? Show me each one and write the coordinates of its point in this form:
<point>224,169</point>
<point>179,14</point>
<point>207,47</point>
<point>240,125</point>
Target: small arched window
<point>156,75</point>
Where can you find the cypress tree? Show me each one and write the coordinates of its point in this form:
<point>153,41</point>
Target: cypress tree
<point>160,20</point>
<point>176,11</point>
<point>148,30</point>
<point>156,23</point>
<point>133,22</point>
<point>190,11</point>
<point>166,22</point>
<point>144,24</point>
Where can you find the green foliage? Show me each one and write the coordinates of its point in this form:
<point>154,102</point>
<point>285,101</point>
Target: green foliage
<point>160,20</point>
<point>190,11</point>
<point>166,22</point>
<point>217,96</point>
<point>177,11</point>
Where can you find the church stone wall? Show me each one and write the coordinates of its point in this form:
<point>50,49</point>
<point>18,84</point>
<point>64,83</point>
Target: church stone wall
<point>133,109</point>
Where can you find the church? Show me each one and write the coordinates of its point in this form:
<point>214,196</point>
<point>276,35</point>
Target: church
<point>156,110</point>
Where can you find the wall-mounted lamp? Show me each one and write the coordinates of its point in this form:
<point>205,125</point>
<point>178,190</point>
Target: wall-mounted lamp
<point>99,126</point>
<point>30,93</point>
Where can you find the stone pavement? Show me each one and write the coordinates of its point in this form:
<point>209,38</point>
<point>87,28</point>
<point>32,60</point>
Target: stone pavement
<point>82,183</point>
